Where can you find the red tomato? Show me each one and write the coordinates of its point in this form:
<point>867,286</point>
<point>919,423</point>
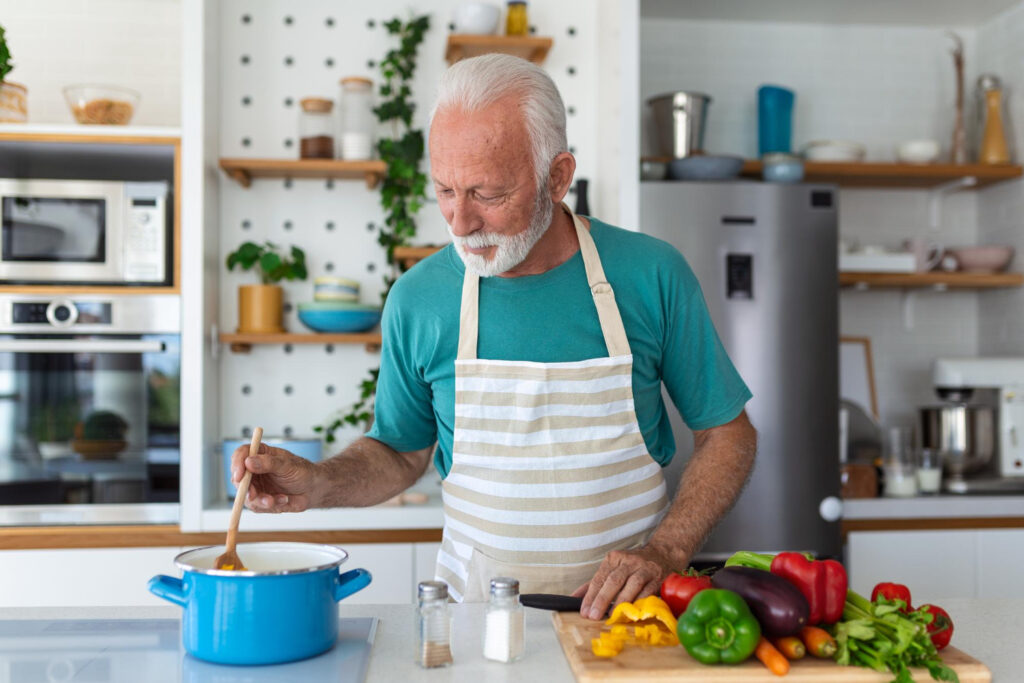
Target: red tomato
<point>678,589</point>
<point>893,591</point>
<point>941,628</point>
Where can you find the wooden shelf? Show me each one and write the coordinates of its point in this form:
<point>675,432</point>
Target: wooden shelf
<point>243,343</point>
<point>892,175</point>
<point>934,280</point>
<point>55,132</point>
<point>408,256</point>
<point>244,170</point>
<point>463,46</point>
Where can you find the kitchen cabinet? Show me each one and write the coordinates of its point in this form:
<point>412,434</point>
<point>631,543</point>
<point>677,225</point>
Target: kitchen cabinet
<point>983,563</point>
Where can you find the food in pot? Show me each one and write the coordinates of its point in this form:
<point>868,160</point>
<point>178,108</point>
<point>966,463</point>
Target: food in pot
<point>103,111</point>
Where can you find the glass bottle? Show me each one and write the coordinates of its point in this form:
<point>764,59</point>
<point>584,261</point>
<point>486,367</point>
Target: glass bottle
<point>992,143</point>
<point>517,22</point>
<point>358,122</point>
<point>316,128</point>
<point>503,624</point>
<point>433,625</point>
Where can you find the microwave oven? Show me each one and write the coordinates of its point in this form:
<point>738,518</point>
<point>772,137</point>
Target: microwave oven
<point>86,232</point>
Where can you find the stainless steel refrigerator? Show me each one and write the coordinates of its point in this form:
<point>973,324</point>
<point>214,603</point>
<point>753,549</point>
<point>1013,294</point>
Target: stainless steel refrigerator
<point>765,256</point>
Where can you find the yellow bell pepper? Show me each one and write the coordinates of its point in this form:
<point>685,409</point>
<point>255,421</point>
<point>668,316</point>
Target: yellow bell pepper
<point>651,607</point>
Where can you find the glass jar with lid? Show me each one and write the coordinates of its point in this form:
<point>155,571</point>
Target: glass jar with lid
<point>503,625</point>
<point>316,128</point>
<point>358,122</point>
<point>433,625</point>
<point>517,23</point>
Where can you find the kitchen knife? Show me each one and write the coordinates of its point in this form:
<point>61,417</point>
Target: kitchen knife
<point>558,603</point>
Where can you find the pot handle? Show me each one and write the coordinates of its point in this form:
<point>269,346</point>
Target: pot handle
<point>168,588</point>
<point>351,582</point>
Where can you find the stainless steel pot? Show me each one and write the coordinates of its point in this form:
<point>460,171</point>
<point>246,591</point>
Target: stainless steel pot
<point>679,122</point>
<point>964,434</point>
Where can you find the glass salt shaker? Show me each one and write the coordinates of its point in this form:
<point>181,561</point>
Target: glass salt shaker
<point>358,122</point>
<point>433,625</point>
<point>316,128</point>
<point>503,625</point>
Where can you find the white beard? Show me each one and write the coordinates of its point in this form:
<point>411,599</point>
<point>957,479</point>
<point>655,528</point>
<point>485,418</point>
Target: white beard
<point>511,250</point>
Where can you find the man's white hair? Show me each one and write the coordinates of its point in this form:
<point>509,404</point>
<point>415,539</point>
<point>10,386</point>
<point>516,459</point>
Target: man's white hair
<point>472,84</point>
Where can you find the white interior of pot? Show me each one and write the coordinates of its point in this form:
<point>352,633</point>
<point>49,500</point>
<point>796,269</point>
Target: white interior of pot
<point>268,557</point>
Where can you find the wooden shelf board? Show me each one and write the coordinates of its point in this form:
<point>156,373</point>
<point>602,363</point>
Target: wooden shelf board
<point>55,132</point>
<point>62,290</point>
<point>463,46</point>
<point>243,343</point>
<point>244,170</point>
<point>937,280</point>
<point>884,175</point>
<point>410,255</point>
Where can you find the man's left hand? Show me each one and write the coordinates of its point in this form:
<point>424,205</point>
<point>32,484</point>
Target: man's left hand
<point>624,576</point>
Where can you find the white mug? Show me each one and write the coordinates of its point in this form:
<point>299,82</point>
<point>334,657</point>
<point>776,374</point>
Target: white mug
<point>927,255</point>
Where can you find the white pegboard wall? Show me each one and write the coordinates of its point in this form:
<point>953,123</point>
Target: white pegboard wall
<point>272,54</point>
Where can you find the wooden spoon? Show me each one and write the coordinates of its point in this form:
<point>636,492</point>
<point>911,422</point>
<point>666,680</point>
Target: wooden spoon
<point>229,558</point>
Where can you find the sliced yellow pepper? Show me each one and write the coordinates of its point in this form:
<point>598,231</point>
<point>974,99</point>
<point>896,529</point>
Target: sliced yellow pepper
<point>651,607</point>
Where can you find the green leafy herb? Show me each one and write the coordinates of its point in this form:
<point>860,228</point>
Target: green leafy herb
<point>267,260</point>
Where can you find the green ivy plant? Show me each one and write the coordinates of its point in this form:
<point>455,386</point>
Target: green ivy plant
<point>268,262</point>
<point>5,57</point>
<point>403,189</point>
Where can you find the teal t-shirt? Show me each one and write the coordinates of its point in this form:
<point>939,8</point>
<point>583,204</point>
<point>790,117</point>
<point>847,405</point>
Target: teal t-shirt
<point>551,318</point>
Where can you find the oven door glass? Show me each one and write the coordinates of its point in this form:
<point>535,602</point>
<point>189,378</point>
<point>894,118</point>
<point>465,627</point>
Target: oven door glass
<point>89,419</point>
<point>54,229</point>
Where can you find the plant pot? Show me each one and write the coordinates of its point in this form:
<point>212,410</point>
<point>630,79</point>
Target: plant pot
<point>13,102</point>
<point>259,309</point>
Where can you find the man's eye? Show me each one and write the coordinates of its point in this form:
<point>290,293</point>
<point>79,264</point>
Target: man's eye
<point>444,192</point>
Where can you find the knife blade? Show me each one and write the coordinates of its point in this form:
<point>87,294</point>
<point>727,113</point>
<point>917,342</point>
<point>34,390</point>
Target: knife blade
<point>557,603</point>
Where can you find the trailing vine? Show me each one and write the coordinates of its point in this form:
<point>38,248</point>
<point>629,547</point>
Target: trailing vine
<point>403,189</point>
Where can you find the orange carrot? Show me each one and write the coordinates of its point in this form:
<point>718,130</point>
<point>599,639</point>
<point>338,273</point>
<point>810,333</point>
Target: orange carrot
<point>771,657</point>
<point>791,646</point>
<point>818,641</point>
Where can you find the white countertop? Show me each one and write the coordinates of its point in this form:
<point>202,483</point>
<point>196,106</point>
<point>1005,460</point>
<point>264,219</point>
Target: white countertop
<point>986,629</point>
<point>923,507</point>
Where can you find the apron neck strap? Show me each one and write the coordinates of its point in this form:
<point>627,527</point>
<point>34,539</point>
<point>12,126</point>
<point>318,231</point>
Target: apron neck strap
<point>604,300</point>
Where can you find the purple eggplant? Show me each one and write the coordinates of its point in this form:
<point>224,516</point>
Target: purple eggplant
<point>779,606</point>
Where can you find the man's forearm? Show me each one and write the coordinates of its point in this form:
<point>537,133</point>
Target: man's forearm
<point>367,472</point>
<point>722,460</point>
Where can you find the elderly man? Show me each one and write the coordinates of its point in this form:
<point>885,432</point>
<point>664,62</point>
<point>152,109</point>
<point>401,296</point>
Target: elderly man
<point>531,352</point>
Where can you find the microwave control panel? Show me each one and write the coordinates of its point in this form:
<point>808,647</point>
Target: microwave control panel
<point>145,240</point>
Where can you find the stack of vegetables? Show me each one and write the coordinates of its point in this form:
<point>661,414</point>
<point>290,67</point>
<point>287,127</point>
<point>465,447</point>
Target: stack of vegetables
<point>780,608</point>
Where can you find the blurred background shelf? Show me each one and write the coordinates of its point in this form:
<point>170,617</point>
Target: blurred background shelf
<point>894,175</point>
<point>244,170</point>
<point>935,280</point>
<point>462,46</point>
<point>243,343</point>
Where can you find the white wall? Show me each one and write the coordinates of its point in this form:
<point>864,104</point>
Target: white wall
<point>878,85</point>
<point>131,43</point>
<point>1001,208</point>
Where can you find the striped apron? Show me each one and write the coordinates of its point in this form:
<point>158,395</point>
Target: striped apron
<point>549,468</point>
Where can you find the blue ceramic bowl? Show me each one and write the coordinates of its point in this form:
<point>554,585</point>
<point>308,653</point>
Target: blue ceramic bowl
<point>705,167</point>
<point>338,316</point>
<point>282,608</point>
<point>310,449</point>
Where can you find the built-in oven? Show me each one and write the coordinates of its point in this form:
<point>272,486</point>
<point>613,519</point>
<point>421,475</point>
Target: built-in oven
<point>89,409</point>
<point>84,232</point>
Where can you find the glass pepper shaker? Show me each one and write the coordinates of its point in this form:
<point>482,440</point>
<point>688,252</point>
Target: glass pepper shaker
<point>503,625</point>
<point>516,22</point>
<point>316,128</point>
<point>433,625</point>
<point>358,122</point>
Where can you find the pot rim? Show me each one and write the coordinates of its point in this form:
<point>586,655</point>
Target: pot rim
<point>186,567</point>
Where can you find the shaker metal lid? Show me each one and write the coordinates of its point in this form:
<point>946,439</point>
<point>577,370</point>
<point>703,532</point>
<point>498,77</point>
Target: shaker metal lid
<point>989,82</point>
<point>432,590</point>
<point>503,586</point>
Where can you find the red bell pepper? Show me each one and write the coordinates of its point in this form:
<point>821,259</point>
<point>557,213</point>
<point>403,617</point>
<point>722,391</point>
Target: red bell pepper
<point>940,630</point>
<point>893,591</point>
<point>823,583</point>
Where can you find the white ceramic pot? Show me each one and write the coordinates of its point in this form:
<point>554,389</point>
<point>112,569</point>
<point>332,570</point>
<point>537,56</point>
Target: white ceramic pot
<point>476,18</point>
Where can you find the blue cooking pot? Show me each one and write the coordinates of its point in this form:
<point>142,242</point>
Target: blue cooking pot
<point>284,607</point>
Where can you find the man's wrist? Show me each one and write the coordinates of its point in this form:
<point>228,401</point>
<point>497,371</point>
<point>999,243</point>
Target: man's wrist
<point>669,555</point>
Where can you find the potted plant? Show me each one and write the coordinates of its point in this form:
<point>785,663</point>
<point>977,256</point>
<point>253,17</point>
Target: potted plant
<point>13,96</point>
<point>53,426</point>
<point>259,306</point>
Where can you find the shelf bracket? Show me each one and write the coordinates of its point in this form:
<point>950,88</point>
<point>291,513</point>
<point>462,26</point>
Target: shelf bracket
<point>937,193</point>
<point>243,178</point>
<point>372,179</point>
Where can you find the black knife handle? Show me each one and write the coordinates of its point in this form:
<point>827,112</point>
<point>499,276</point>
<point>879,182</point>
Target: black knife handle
<point>558,603</point>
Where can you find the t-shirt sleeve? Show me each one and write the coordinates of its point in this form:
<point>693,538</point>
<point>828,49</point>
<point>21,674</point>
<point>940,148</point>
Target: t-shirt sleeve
<point>403,409</point>
<point>698,374</point>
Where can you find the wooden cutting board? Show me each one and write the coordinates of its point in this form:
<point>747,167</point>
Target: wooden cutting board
<point>673,664</point>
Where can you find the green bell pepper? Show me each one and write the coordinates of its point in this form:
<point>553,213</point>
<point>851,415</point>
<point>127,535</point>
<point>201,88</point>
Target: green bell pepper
<point>718,628</point>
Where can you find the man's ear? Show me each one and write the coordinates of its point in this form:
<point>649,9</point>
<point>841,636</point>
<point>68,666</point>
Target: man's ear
<point>562,169</point>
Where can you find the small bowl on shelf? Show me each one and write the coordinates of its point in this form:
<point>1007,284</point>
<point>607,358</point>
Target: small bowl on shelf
<point>834,150</point>
<point>108,105</point>
<point>329,288</point>
<point>338,316</point>
<point>918,151</point>
<point>993,258</point>
<point>476,18</point>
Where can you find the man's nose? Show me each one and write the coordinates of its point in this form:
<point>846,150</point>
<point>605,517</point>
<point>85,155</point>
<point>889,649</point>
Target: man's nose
<point>465,219</point>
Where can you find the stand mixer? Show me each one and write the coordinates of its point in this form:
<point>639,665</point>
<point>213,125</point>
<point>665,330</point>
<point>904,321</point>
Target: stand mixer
<point>980,428</point>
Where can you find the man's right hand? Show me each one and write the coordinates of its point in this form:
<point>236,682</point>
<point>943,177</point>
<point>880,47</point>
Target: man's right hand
<point>281,480</point>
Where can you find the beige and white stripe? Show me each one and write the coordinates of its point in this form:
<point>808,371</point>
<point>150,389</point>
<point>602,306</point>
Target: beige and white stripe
<point>549,468</point>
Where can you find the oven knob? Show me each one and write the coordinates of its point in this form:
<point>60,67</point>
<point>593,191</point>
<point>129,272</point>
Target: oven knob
<point>62,313</point>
